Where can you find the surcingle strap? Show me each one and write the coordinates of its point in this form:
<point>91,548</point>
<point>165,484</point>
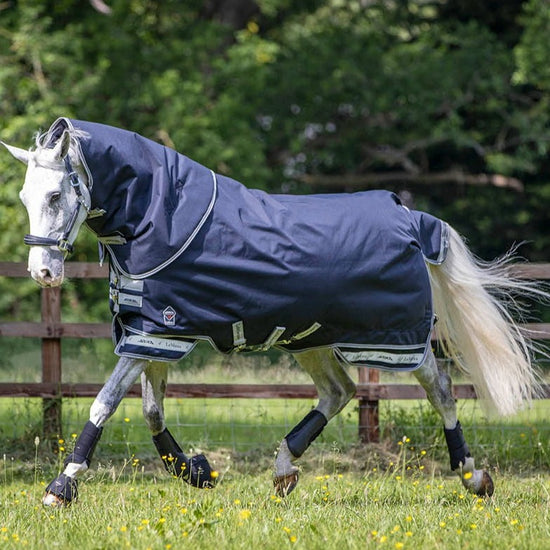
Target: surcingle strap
<point>85,444</point>
<point>302,435</point>
<point>458,449</point>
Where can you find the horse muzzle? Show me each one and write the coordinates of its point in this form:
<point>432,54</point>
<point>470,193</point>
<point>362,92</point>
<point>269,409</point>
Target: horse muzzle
<point>46,266</point>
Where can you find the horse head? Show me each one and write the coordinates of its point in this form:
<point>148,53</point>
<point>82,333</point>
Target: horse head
<point>56,196</point>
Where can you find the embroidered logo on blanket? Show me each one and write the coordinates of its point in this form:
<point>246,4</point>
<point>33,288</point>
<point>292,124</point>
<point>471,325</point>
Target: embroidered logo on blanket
<point>169,316</point>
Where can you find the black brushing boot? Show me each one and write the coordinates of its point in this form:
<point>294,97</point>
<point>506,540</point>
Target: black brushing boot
<point>195,470</point>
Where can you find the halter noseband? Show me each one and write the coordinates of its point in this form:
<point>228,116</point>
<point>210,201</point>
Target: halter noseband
<point>63,244</point>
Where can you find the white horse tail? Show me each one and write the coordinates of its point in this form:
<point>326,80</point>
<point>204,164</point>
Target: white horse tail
<point>474,302</point>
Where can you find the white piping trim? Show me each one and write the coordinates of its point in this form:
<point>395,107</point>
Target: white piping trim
<point>443,245</point>
<point>180,251</point>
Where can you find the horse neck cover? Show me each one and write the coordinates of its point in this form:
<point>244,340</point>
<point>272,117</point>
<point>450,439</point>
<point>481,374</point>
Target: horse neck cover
<point>198,256</point>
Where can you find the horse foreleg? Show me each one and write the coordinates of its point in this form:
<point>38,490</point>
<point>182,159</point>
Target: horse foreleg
<point>335,389</point>
<point>194,470</point>
<point>64,489</point>
<point>438,389</point>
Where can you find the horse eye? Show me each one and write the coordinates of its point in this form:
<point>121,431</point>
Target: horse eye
<point>54,197</point>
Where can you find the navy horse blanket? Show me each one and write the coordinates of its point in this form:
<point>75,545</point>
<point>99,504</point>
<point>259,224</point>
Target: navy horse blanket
<point>198,256</point>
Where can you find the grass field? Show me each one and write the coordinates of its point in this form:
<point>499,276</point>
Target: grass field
<point>397,494</point>
<point>409,505</point>
<point>394,495</point>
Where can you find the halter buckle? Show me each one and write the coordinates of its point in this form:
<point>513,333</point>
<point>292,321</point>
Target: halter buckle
<point>65,246</point>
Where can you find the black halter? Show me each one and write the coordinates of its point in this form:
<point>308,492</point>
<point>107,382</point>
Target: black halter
<point>63,244</point>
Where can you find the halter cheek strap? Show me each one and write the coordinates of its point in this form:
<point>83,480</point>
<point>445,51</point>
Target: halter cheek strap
<point>64,243</point>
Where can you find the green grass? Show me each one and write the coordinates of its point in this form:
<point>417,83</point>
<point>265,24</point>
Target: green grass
<point>408,505</point>
<point>391,495</point>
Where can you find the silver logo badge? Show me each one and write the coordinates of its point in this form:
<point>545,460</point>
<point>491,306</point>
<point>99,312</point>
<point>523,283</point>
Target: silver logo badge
<point>169,315</point>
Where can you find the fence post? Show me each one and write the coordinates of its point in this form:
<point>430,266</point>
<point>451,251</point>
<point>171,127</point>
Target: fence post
<point>51,361</point>
<point>369,427</point>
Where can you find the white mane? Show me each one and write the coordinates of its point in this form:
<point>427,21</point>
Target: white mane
<point>43,142</point>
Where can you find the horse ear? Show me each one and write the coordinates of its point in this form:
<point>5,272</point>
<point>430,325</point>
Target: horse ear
<point>61,149</point>
<point>19,154</point>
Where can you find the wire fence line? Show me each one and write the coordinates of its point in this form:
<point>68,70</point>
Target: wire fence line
<point>244,426</point>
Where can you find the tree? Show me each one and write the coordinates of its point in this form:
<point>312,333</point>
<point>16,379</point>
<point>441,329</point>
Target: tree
<point>418,96</point>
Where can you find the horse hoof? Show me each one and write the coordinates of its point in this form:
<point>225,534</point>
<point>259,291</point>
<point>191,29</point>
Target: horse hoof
<point>201,474</point>
<point>61,491</point>
<point>285,484</point>
<point>487,487</point>
<point>54,501</point>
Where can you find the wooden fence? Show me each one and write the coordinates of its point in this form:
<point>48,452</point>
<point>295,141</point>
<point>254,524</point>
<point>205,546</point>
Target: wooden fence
<point>51,330</point>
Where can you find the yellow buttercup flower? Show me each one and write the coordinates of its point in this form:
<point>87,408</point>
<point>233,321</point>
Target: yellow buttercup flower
<point>245,514</point>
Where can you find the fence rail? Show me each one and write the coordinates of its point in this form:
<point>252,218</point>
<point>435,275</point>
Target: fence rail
<point>51,330</point>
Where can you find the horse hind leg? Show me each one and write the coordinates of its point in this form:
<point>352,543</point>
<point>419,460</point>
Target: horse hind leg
<point>194,470</point>
<point>335,389</point>
<point>437,385</point>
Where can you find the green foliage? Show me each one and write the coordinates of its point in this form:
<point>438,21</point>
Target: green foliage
<point>533,51</point>
<point>279,93</point>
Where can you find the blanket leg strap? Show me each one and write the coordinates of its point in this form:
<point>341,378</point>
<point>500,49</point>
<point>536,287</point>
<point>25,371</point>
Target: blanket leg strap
<point>302,435</point>
<point>195,470</point>
<point>458,449</point>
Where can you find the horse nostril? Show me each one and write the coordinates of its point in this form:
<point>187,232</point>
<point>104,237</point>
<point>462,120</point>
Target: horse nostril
<point>46,275</point>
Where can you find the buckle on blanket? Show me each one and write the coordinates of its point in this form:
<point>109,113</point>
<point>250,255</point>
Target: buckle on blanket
<point>301,335</point>
<point>113,297</point>
<point>272,338</point>
<point>239,339</point>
